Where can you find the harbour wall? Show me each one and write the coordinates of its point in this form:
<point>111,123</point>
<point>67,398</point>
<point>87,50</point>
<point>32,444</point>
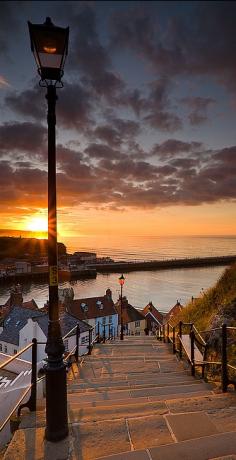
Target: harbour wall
<point>163,264</point>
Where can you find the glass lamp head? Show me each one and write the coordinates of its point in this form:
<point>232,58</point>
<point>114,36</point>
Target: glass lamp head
<point>122,280</point>
<point>49,44</point>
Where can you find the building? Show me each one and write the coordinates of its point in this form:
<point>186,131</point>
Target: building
<point>153,317</point>
<point>99,312</point>
<point>134,322</point>
<point>22,266</point>
<point>21,325</point>
<point>81,258</point>
<point>16,299</point>
<point>170,316</point>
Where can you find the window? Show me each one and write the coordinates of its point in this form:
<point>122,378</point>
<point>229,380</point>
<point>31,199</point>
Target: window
<point>5,349</point>
<point>110,319</point>
<point>104,320</point>
<point>84,340</point>
<point>137,323</point>
<point>66,345</point>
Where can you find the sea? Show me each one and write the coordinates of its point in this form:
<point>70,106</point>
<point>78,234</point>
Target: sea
<point>162,287</point>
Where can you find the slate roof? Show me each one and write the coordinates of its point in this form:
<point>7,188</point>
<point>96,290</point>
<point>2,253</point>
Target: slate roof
<point>92,307</point>
<point>18,317</point>
<point>7,307</point>
<point>67,323</point>
<point>14,322</point>
<point>129,313</point>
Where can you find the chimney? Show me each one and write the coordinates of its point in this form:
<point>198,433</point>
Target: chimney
<point>16,295</point>
<point>125,302</point>
<point>109,294</point>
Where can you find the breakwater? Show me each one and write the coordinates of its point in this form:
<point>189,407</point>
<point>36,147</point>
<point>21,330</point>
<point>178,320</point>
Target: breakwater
<point>42,277</point>
<point>163,264</point>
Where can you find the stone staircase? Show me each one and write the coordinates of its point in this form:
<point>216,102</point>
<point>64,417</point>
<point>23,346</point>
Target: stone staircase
<point>133,400</point>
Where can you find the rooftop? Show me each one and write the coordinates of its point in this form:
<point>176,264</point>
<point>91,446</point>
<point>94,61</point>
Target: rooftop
<point>92,307</point>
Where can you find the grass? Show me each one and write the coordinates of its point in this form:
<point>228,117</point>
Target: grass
<point>217,300</point>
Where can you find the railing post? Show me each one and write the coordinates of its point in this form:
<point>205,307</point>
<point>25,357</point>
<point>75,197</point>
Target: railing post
<point>180,336</point>
<point>77,343</point>
<point>164,333</point>
<point>168,333</point>
<point>98,331</point>
<point>192,338</point>
<point>104,333</point>
<point>160,333</point>
<point>90,342</point>
<point>109,331</point>
<point>224,369</point>
<point>174,349</point>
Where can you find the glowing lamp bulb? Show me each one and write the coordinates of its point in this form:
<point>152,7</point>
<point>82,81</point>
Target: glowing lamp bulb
<point>49,49</point>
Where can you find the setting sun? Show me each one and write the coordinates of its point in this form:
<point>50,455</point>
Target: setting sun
<point>37,224</point>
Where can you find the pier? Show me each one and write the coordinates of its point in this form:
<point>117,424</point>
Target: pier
<point>163,264</point>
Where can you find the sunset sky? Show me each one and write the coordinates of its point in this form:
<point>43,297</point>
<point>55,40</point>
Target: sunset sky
<point>146,120</point>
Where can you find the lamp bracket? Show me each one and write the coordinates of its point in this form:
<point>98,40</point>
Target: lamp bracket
<point>46,83</point>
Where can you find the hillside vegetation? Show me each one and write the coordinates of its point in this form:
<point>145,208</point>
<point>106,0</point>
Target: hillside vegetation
<point>216,306</point>
<point>25,247</point>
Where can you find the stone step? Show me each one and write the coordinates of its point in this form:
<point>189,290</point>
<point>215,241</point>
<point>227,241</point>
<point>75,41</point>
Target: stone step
<point>220,407</point>
<point>204,448</point>
<point>129,376</point>
<point>138,408</point>
<point>111,386</point>
<point>90,372</point>
<point>116,440</point>
<point>112,410</point>
<point>153,394</point>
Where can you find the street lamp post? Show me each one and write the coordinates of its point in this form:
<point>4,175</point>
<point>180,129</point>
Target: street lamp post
<point>50,46</point>
<point>122,282</point>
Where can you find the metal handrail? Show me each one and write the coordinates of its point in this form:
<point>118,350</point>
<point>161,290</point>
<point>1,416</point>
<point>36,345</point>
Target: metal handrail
<point>231,367</point>
<point>211,330</point>
<point>199,335</point>
<point>197,339</point>
<point>15,407</point>
<point>8,361</point>
<point>31,403</point>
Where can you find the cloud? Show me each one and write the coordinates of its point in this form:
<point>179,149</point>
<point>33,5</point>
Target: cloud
<point>118,181</point>
<point>23,137</point>
<point>180,44</point>
<point>92,59</point>
<point>101,151</point>
<point>198,106</point>
<point>3,82</point>
<point>29,103</point>
<point>73,106</point>
<point>9,22</point>
<point>157,104</point>
<point>172,147</point>
<point>117,132</point>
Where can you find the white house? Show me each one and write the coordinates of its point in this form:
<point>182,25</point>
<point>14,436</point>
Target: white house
<point>98,312</point>
<point>22,267</point>
<point>21,325</point>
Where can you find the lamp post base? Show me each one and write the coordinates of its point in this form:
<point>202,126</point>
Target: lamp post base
<point>56,403</point>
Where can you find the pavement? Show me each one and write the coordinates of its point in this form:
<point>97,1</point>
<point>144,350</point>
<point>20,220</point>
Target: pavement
<point>134,400</point>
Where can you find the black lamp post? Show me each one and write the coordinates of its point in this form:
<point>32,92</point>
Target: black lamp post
<point>122,282</point>
<point>50,46</point>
